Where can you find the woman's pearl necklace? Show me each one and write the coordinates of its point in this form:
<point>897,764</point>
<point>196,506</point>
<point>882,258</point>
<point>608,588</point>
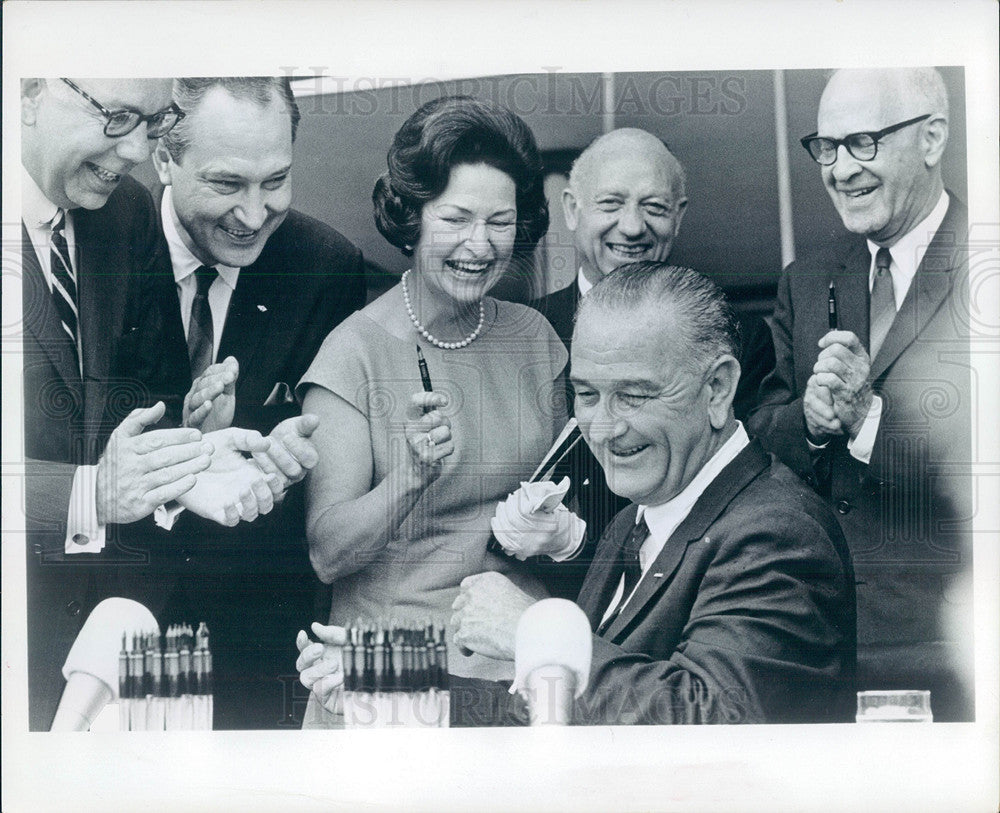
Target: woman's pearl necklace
<point>426,333</point>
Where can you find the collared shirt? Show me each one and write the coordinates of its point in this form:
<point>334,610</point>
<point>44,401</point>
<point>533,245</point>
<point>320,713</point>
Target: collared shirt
<point>907,254</point>
<point>83,533</point>
<point>666,518</point>
<point>185,264</point>
<point>583,283</point>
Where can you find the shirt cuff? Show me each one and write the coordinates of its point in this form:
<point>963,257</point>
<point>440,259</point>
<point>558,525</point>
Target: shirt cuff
<point>166,515</point>
<point>861,447</point>
<point>83,532</point>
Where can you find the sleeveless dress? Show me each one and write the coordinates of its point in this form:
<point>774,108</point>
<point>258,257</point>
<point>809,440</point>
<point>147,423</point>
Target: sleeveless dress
<point>505,404</point>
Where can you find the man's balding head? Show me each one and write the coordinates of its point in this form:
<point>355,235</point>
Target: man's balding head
<point>886,197</point>
<point>625,201</point>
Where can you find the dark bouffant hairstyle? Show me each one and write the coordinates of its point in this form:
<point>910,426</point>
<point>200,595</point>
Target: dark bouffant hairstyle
<point>442,134</point>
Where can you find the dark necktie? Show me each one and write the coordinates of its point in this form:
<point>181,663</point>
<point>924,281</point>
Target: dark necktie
<point>882,306</point>
<point>201,337</point>
<point>64,292</point>
<point>630,567</point>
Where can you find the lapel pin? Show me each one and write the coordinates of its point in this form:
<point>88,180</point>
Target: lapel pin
<point>707,540</point>
<point>262,308</point>
<point>586,482</point>
<point>657,575</point>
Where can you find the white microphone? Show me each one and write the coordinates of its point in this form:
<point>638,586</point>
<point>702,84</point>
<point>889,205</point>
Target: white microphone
<point>552,653</point>
<point>91,668</point>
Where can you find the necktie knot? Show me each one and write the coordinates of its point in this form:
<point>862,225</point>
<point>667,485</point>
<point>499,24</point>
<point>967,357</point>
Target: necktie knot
<point>883,261</point>
<point>58,221</point>
<point>205,276</point>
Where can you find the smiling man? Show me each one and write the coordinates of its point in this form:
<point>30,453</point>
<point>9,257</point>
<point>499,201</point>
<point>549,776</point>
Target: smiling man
<point>874,411</point>
<point>255,288</point>
<point>724,592</point>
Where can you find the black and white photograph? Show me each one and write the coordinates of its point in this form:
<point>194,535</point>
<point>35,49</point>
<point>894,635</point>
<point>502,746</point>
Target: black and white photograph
<point>580,378</point>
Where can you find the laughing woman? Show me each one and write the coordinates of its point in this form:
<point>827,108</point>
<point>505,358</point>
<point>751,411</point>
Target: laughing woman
<point>414,457</point>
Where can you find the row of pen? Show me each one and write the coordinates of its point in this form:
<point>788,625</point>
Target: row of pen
<point>395,677</point>
<point>166,685</point>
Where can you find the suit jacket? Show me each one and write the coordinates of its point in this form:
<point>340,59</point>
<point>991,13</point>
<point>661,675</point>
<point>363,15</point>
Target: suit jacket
<point>906,514</point>
<point>746,615</point>
<point>68,417</point>
<point>307,279</point>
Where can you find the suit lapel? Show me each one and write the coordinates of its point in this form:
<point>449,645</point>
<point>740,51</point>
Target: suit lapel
<point>40,319</point>
<point>250,310</point>
<point>731,481</point>
<point>930,287</point>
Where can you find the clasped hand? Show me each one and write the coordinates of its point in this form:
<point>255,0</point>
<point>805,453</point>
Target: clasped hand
<point>211,402</point>
<point>838,394</point>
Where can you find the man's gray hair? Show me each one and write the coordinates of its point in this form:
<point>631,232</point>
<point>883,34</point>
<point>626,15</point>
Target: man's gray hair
<point>700,309</point>
<point>189,92</point>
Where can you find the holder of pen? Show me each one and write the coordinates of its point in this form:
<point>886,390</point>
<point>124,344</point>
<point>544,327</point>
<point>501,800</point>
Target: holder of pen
<point>395,677</point>
<point>166,688</point>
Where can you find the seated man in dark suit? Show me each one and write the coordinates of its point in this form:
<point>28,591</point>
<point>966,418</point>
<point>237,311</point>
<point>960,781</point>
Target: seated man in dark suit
<point>89,257</point>
<point>625,202</point>
<point>724,593</point>
<point>253,288</point>
<point>873,408</point>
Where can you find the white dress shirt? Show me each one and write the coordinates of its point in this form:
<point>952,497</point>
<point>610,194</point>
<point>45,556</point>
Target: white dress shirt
<point>83,532</point>
<point>907,254</point>
<point>184,264</point>
<point>666,518</point>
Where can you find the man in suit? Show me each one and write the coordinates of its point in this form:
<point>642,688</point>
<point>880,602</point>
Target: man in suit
<point>256,286</point>
<point>724,592</point>
<point>88,254</point>
<point>873,410</point>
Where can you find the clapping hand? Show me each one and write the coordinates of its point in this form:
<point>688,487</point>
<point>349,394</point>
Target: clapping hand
<point>291,454</point>
<point>233,487</point>
<point>142,470</point>
<point>211,402</point>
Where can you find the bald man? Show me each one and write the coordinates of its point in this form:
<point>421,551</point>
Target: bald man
<point>874,411</point>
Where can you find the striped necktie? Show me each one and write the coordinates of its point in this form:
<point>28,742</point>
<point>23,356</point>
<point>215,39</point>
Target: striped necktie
<point>630,567</point>
<point>64,292</point>
<point>882,304</point>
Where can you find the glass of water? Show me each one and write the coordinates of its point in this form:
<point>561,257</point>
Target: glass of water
<point>896,706</point>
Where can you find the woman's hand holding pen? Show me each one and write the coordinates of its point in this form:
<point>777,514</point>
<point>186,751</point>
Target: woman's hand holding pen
<point>428,436</point>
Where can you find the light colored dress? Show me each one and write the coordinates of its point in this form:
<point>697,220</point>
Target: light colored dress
<point>505,405</point>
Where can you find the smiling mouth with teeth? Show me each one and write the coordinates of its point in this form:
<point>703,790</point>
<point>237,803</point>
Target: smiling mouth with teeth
<point>469,266</point>
<point>239,234</point>
<point>627,452</point>
<point>628,250</point>
<point>103,174</point>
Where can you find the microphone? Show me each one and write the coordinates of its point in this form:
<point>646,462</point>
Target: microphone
<point>552,653</point>
<point>91,668</point>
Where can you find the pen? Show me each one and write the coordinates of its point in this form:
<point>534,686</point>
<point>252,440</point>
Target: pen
<point>831,307</point>
<point>425,376</point>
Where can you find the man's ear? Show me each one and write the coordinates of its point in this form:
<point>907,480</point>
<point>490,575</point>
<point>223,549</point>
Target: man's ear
<point>934,138</point>
<point>31,93</point>
<point>571,209</point>
<point>682,206</point>
<point>163,164</point>
<point>722,378</point>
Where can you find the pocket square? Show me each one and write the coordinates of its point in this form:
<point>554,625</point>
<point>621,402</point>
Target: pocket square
<point>280,394</point>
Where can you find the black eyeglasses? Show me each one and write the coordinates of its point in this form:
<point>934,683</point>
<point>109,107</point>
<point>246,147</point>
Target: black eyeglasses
<point>863,146</point>
<point>118,123</point>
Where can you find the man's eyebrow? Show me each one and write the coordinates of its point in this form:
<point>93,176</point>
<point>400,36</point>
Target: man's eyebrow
<point>620,383</point>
